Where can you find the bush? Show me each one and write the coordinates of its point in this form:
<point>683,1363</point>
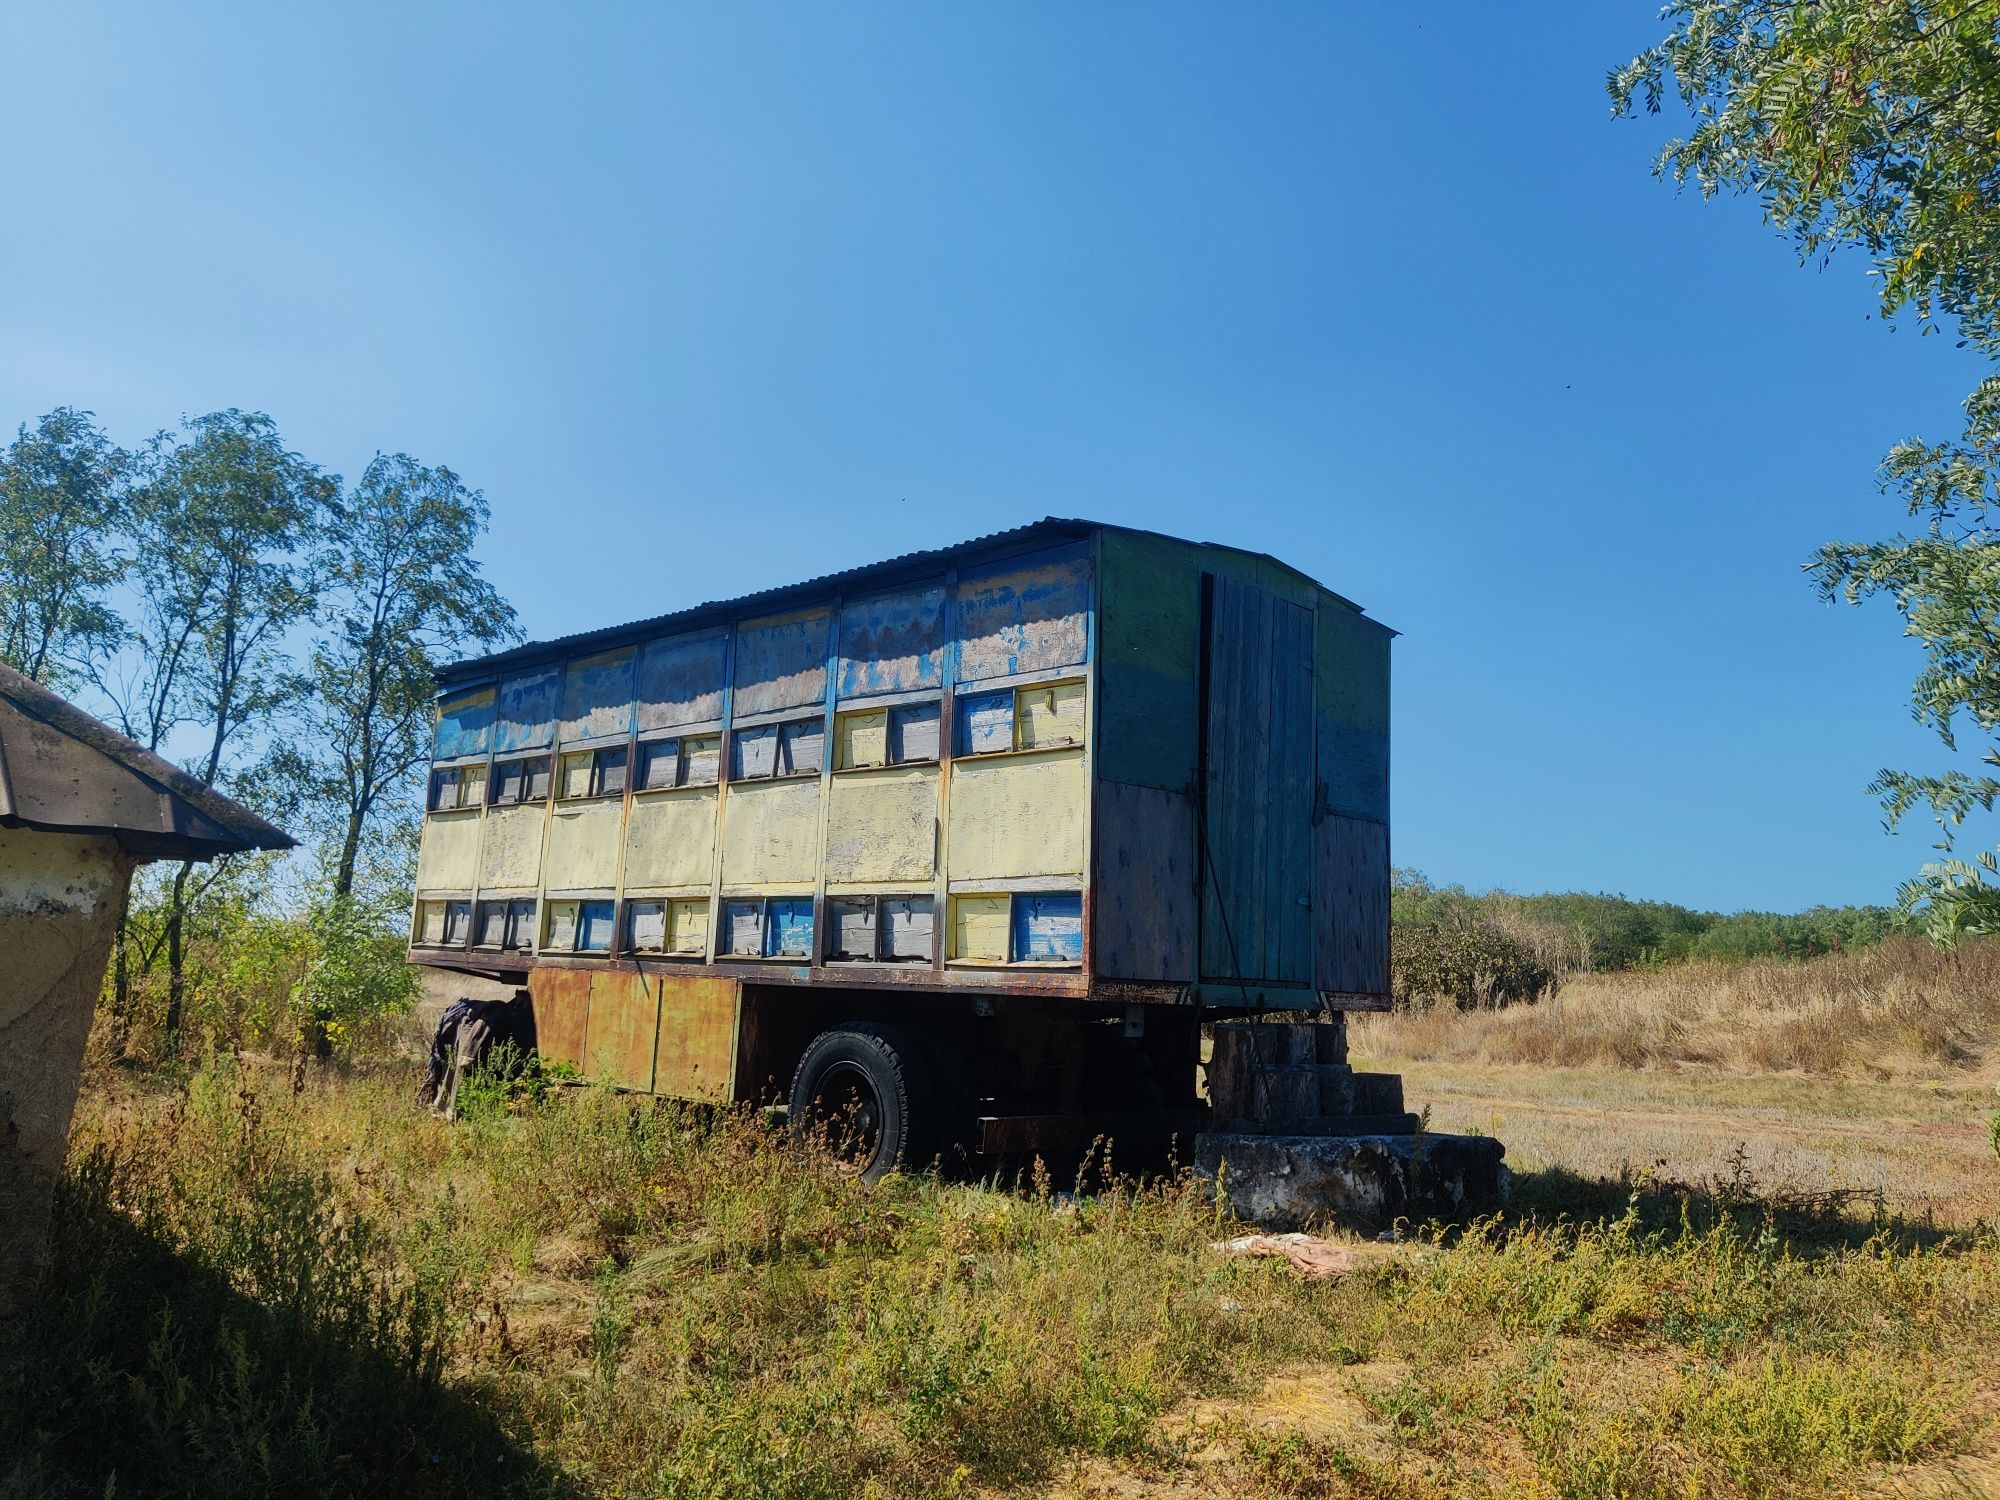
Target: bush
<point>1464,962</point>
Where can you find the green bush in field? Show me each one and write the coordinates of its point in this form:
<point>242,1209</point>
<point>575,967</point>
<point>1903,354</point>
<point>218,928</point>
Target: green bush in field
<point>1467,963</point>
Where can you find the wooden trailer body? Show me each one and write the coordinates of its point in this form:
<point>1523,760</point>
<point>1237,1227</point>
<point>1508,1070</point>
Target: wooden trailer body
<point>1068,773</point>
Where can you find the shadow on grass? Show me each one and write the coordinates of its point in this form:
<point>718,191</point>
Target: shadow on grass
<point>1806,1222</point>
<point>139,1371</point>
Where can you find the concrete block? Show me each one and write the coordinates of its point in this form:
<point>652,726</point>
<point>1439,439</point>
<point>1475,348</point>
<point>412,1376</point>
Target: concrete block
<point>1368,1181</point>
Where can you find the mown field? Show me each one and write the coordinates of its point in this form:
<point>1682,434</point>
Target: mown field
<point>1732,1273</point>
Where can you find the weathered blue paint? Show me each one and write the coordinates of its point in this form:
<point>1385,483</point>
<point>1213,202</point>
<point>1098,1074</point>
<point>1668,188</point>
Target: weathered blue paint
<point>680,679</point>
<point>597,696</point>
<point>781,663</point>
<point>788,928</point>
<point>526,718</point>
<point>985,722</point>
<point>892,644</point>
<point>1048,928</point>
<point>1024,615</point>
<point>464,724</point>
<point>593,926</point>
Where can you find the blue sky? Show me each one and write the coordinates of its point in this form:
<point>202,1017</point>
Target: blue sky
<point>710,298</point>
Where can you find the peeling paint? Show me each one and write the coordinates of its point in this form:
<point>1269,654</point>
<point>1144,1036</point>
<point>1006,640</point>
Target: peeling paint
<point>670,839</point>
<point>448,857</point>
<point>770,833</point>
<point>882,826</point>
<point>511,857</point>
<point>1017,815</point>
<point>583,846</point>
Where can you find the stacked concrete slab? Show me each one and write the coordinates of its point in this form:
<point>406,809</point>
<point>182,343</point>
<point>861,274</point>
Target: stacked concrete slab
<point>1297,1136</point>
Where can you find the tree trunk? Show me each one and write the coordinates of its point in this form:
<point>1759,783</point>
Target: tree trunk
<point>120,1029</point>
<point>350,851</point>
<point>176,959</point>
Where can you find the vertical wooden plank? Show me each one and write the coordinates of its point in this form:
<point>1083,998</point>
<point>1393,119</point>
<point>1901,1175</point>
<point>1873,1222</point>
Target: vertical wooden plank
<point>1352,930</point>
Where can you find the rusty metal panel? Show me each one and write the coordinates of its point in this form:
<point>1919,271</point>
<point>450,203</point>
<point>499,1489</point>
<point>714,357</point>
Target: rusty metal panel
<point>561,998</point>
<point>624,1010</point>
<point>1143,891</point>
<point>697,1037</point>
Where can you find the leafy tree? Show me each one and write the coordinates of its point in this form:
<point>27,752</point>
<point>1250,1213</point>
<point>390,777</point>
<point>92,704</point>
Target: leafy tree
<point>1875,125</point>
<point>62,499</point>
<point>402,589</point>
<point>223,525</point>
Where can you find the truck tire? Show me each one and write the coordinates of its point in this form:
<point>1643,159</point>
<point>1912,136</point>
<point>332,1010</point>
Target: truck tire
<point>866,1091</point>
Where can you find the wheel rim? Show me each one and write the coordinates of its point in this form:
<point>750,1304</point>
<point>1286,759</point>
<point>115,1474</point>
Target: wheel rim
<point>847,1112</point>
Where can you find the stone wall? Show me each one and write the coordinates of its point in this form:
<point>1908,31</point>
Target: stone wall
<point>60,898</point>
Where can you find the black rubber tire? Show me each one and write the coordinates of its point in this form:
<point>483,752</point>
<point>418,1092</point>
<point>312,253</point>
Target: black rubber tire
<point>896,1068</point>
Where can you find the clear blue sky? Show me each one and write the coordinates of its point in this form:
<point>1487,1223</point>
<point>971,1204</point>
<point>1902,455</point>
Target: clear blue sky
<point>709,298</point>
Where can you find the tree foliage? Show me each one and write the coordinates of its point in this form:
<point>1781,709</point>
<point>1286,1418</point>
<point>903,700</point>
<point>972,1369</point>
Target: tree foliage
<point>62,499</point>
<point>1876,125</point>
<point>400,590</point>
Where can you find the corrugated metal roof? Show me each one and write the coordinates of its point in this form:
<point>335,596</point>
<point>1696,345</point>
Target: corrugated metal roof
<point>1049,528</point>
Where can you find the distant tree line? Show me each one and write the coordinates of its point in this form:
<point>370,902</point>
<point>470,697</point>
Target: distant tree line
<point>1498,948</point>
<point>272,628</point>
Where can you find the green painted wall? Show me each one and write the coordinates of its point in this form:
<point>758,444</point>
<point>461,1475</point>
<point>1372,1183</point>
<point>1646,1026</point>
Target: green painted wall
<point>1352,682</point>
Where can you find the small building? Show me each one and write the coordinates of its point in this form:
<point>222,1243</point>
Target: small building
<point>80,807</point>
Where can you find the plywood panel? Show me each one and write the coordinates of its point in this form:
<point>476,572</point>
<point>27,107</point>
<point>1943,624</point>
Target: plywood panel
<point>1351,917</point>
<point>1025,615</point>
<point>781,662</point>
<point>464,724</point>
<point>511,857</point>
<point>882,826</point>
<point>597,696</point>
<point>770,833</point>
<point>1143,891</point>
<point>1017,815</point>
<point>893,643</point>
<point>979,928</point>
<point>670,839</point>
<point>527,710</point>
<point>583,846</point>
<point>680,679</point>
<point>448,857</point>
<point>1257,907</point>
<point>697,1037</point>
<point>1148,652</point>
<point>561,999</point>
<point>1352,689</point>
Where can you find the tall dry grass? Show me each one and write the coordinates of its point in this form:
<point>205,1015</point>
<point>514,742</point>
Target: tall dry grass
<point>1900,1009</point>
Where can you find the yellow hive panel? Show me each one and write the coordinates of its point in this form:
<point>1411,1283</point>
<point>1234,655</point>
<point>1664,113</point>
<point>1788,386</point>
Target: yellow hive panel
<point>882,826</point>
<point>687,927</point>
<point>583,846</point>
<point>448,857</point>
<point>1049,715</point>
<point>511,857</point>
<point>862,739</point>
<point>770,833</point>
<point>670,840</point>
<point>979,928</point>
<point>1016,816</point>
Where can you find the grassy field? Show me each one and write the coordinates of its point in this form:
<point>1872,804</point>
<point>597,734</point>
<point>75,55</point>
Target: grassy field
<point>1713,1280</point>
